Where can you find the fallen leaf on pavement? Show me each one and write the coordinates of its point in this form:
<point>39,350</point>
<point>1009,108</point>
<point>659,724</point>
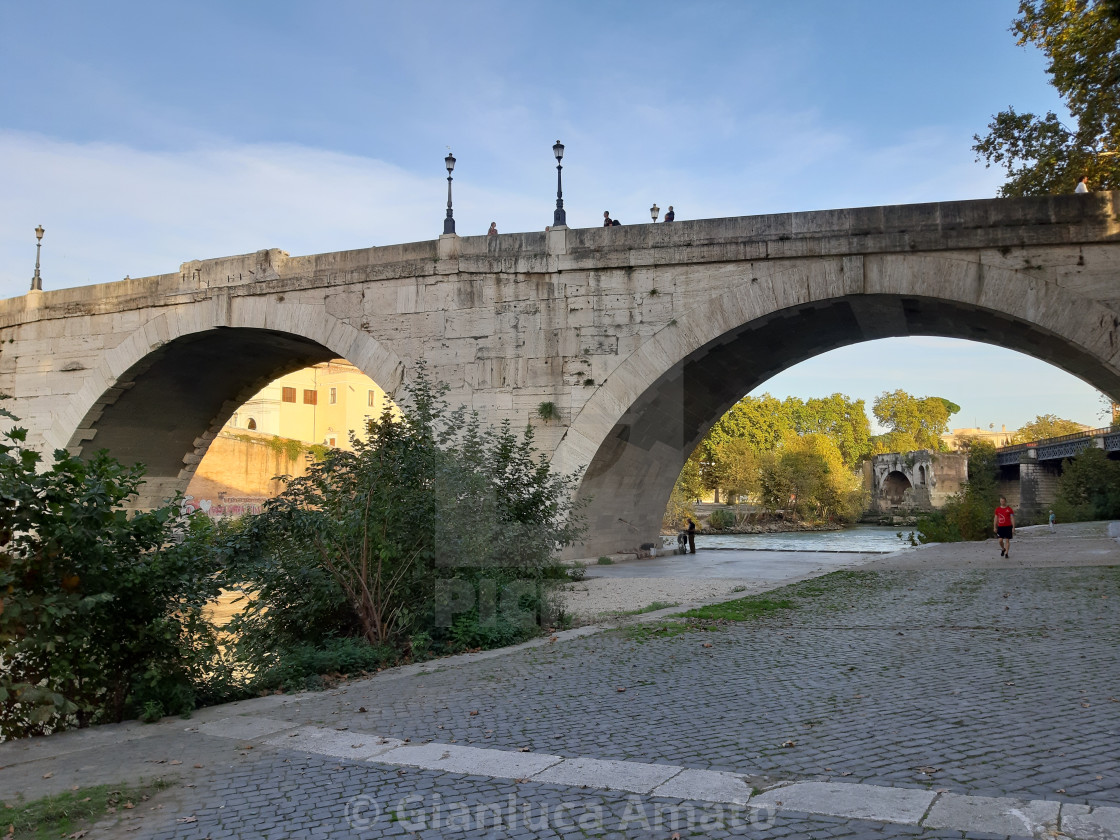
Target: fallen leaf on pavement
<point>789,743</point>
<point>524,749</point>
<point>474,712</point>
<point>620,689</point>
<point>707,644</point>
<point>176,761</point>
<point>187,819</point>
<point>47,775</point>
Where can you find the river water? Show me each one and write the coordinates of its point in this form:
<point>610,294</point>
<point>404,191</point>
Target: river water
<point>858,538</point>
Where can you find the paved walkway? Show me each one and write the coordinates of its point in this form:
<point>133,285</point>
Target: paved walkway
<point>943,692</point>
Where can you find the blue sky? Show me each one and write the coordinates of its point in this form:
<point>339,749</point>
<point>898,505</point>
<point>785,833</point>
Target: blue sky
<point>141,135</point>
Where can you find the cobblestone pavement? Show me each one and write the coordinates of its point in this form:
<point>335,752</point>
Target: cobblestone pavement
<point>291,795</point>
<point>983,681</point>
<point>989,682</point>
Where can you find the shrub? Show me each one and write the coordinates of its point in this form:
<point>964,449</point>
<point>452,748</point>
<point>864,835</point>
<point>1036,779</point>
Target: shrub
<point>433,525</point>
<point>721,519</point>
<point>101,612</point>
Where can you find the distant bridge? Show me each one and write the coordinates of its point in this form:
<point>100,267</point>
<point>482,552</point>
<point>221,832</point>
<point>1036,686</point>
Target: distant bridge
<point>1055,449</point>
<point>622,346</point>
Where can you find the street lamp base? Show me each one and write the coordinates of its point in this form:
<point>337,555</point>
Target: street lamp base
<point>559,219</point>
<point>448,225</point>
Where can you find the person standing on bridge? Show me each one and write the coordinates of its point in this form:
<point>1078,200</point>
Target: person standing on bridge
<point>607,218</point>
<point>1082,185</point>
<point>1004,524</point>
<point>493,229</point>
<point>670,215</point>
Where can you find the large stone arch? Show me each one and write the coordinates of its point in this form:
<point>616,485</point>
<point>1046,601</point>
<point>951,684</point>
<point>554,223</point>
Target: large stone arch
<point>161,395</point>
<point>636,431</point>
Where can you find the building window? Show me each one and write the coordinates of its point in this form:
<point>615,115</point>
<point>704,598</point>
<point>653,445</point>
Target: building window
<point>332,442</point>
<point>289,395</point>
<point>251,425</point>
<point>334,396</point>
<point>372,400</point>
<point>310,397</point>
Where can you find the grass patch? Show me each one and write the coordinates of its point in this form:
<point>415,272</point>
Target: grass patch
<point>67,813</point>
<point>664,630</point>
<point>836,590</point>
<point>654,607</point>
<point>743,609</point>
<point>605,561</point>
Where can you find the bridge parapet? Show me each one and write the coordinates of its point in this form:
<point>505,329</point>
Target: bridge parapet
<point>1065,446</point>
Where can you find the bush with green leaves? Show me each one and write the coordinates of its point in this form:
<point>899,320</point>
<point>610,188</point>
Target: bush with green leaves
<point>1089,487</point>
<point>721,519</point>
<point>434,528</point>
<point>101,610</point>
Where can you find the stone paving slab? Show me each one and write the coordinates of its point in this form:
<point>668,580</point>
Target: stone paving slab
<point>479,762</point>
<point>243,728</point>
<point>612,775</point>
<point>706,786</point>
<point>355,745</point>
<point>1085,823</point>
<point>994,815</point>
<point>865,802</point>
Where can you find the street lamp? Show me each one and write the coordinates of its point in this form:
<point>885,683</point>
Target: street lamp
<point>36,280</point>
<point>654,210</point>
<point>559,218</point>
<point>449,222</point>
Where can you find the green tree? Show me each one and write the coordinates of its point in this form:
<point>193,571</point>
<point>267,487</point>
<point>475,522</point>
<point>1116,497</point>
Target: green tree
<point>433,527</point>
<point>1046,426</point>
<point>808,476</point>
<point>740,466</point>
<point>1089,487</point>
<point>912,422</point>
<point>1042,155</point>
<point>101,611</point>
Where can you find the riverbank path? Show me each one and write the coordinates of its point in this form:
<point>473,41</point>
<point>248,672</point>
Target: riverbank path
<point>942,692</point>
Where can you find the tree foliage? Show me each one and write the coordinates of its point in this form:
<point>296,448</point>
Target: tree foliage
<point>101,611</point>
<point>912,422</point>
<point>1046,426</point>
<point>433,528</point>
<point>1089,487</point>
<point>807,475</point>
<point>1042,155</point>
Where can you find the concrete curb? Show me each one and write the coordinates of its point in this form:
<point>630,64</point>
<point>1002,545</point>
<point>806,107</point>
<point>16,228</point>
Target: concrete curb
<point>1036,818</point>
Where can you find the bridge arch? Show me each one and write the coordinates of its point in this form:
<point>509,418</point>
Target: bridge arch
<point>166,390</point>
<point>636,431</point>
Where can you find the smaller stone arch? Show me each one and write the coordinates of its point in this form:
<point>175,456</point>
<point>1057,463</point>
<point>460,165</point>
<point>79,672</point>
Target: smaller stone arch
<point>252,424</point>
<point>921,475</point>
<point>895,486</point>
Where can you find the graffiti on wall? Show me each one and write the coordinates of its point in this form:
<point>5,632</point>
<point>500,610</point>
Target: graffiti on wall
<point>225,505</point>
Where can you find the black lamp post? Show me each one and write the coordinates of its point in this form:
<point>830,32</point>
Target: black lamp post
<point>654,211</point>
<point>36,280</point>
<point>559,217</point>
<point>449,222</point>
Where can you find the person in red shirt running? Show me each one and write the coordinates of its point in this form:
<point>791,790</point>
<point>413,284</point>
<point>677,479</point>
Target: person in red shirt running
<point>1004,524</point>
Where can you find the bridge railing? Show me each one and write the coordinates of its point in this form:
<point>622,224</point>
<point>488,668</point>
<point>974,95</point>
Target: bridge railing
<point>1061,446</point>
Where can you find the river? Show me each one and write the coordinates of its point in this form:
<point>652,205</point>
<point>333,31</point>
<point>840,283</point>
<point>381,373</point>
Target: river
<point>858,538</point>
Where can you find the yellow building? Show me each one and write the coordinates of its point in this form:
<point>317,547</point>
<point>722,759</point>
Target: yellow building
<point>954,439</point>
<point>321,404</point>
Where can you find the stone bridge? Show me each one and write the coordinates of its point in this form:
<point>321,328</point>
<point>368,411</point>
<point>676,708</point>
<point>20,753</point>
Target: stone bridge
<point>640,337</point>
